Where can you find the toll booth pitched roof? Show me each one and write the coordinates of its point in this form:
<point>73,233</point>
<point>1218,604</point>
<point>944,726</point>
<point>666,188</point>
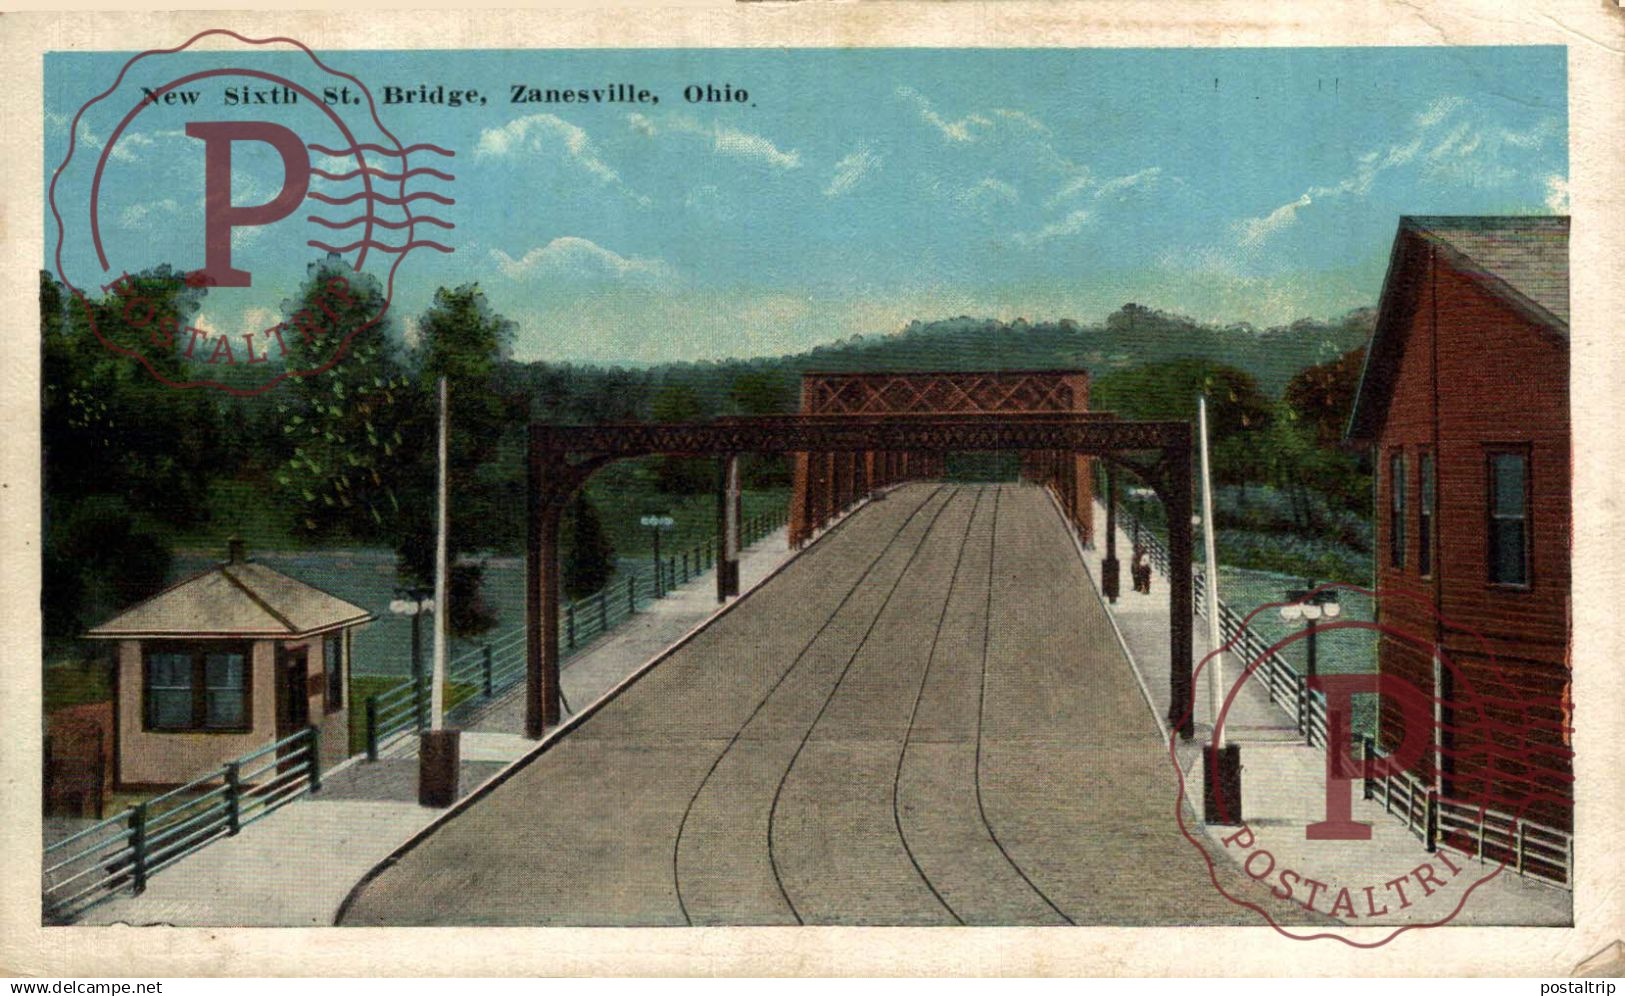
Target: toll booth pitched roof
<point>241,599</point>
<point>1522,259</point>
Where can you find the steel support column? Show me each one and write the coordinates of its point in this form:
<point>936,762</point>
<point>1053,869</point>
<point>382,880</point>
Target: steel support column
<point>1176,492</point>
<point>545,500</point>
<point>727,526</point>
<point>1109,567</point>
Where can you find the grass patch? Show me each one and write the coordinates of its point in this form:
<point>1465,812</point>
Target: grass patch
<point>72,680</point>
<point>364,686</point>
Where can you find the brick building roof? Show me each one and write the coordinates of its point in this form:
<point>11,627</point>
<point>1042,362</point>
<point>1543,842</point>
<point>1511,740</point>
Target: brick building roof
<point>1523,259</point>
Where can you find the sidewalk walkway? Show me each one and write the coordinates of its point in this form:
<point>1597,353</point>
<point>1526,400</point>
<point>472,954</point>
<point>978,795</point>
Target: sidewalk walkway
<point>606,664</point>
<point>1284,790</point>
<point>294,868</point>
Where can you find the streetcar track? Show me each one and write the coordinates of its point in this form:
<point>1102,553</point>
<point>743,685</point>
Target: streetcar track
<point>773,810</point>
<point>981,711</point>
<point>914,712</point>
<point>682,825</point>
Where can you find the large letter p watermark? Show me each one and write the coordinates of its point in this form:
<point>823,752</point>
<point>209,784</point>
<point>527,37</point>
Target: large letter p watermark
<point>1342,767</point>
<point>220,215</point>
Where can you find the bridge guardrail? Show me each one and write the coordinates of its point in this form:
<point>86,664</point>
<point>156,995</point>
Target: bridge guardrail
<point>479,676</point>
<point>1529,848</point>
<point>122,852</point>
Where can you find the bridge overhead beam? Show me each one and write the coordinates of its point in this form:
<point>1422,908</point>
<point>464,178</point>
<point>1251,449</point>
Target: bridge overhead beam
<point>561,459</point>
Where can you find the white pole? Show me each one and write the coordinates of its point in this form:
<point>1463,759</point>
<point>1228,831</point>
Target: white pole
<point>1211,556</point>
<point>437,693</point>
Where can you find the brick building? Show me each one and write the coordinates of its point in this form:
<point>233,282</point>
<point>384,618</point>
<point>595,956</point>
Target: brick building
<point>1464,407</point>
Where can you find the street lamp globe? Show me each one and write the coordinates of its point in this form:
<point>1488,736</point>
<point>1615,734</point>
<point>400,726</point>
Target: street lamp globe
<point>1292,612</point>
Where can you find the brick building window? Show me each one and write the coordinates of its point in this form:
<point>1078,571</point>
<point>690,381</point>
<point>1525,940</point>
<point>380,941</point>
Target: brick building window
<point>1396,508</point>
<point>201,686</point>
<point>1508,508</point>
<point>1426,497</point>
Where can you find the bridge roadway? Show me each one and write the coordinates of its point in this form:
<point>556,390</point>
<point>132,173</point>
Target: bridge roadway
<point>924,719</point>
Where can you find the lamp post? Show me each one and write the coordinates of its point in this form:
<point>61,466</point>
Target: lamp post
<point>656,523</point>
<point>414,601</point>
<point>1311,606</point>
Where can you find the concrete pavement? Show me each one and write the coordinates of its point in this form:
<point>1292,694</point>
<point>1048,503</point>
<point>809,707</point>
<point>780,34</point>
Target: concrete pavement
<point>924,719</point>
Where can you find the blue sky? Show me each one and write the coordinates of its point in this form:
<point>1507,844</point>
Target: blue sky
<point>859,189</point>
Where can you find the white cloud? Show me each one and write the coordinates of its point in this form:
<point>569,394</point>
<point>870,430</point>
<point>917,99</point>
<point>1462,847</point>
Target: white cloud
<point>1072,224</point>
<point>1022,118</point>
<point>1255,230</point>
<point>543,134</point>
<point>1251,233</point>
<point>757,148</point>
<point>963,130</point>
<point>1122,184</point>
<point>1079,184</point>
<point>725,140</point>
<point>258,319</point>
<point>1437,111</point>
<point>1557,194</point>
<point>137,215</point>
<point>244,236</point>
<point>572,258</point>
<point>204,322</point>
<point>850,170</point>
<point>989,194</point>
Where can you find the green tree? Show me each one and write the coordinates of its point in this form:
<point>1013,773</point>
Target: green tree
<point>460,339</point>
<point>589,558</point>
<point>345,425</point>
<point>1323,395</point>
<point>127,458</point>
<point>678,402</point>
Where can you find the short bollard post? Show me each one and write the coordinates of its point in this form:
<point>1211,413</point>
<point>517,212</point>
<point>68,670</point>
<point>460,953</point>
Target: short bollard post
<point>1432,830</point>
<point>486,667</point>
<point>138,848</point>
<point>372,727</point>
<point>314,736</point>
<point>1367,790</point>
<point>1303,705</point>
<point>234,797</point>
<point>438,768</point>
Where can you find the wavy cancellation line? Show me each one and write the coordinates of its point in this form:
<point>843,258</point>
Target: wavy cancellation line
<point>380,222</point>
<point>380,198</point>
<point>381,175</point>
<point>370,147</point>
<point>381,247</point>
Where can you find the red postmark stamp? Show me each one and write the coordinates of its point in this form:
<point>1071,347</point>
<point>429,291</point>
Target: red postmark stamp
<point>232,212</point>
<point>1393,822</point>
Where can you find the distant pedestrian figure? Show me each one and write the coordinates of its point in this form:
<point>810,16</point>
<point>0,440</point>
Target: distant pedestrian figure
<point>1140,569</point>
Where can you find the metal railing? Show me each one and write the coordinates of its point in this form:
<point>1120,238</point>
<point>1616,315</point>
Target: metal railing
<point>1525,846</point>
<point>120,854</point>
<point>1529,848</point>
<point>479,676</point>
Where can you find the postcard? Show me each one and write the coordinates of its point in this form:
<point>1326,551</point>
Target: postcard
<point>1108,490</point>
